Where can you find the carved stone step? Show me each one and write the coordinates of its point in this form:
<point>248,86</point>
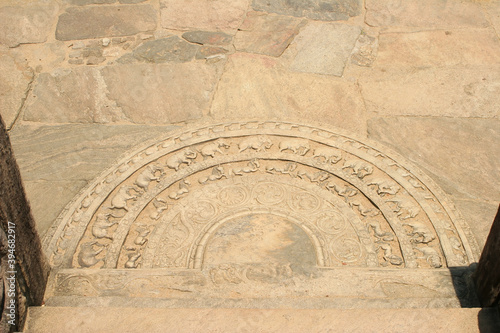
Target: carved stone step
<point>85,319</point>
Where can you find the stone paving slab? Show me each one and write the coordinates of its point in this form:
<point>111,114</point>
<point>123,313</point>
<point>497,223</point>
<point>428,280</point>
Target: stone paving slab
<point>474,47</point>
<point>214,15</point>
<point>105,21</point>
<point>53,320</point>
<point>461,155</point>
<point>424,14</point>
<point>15,79</point>
<point>26,23</point>
<point>266,34</point>
<point>57,161</point>
<point>323,10</point>
<point>432,91</point>
<point>322,48</point>
<point>259,86</point>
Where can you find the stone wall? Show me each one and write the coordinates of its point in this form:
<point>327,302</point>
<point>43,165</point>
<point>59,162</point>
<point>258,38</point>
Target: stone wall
<point>83,81</point>
<point>487,275</point>
<point>22,263</point>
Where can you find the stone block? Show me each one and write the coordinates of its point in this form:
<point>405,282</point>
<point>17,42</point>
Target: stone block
<point>258,87</point>
<point>210,15</point>
<point>424,91</point>
<point>266,34</point>
<point>161,94</point>
<point>439,48</point>
<point>476,320</point>
<point>71,96</point>
<point>27,23</point>
<point>462,154</point>
<point>438,14</point>
<point>170,49</point>
<point>105,21</point>
<point>207,37</point>
<point>15,78</point>
<point>322,48</point>
<point>322,10</point>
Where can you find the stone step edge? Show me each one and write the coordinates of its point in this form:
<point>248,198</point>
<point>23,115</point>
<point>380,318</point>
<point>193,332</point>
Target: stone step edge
<point>85,319</point>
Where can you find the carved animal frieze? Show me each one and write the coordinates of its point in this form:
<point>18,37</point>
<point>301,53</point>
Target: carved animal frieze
<point>257,143</point>
<point>389,256</point>
<point>182,191</point>
<point>88,253</point>
<point>327,155</point>
<point>430,255</point>
<point>420,233</point>
<point>359,168</point>
<point>149,175</point>
<point>101,226</point>
<point>217,173</point>
<point>119,201</point>
<point>212,148</point>
<point>185,156</point>
<point>296,146</point>
<point>384,186</point>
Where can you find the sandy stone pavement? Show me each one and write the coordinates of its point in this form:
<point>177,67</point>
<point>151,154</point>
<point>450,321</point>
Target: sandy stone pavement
<point>83,81</point>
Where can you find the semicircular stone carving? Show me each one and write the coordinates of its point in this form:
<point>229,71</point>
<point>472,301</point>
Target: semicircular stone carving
<point>253,201</point>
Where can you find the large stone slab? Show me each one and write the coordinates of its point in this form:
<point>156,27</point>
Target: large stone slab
<point>59,192</point>
<point>442,14</point>
<point>439,48</point>
<point>170,49</point>
<point>461,153</point>
<point>15,78</point>
<point>266,34</point>
<point>212,15</point>
<point>105,21</point>
<point>162,94</point>
<point>56,162</point>
<point>424,91</point>
<point>60,319</point>
<point>27,23</point>
<point>322,48</point>
<point>258,87</point>
<point>479,215</point>
<point>322,10</point>
<point>71,96</point>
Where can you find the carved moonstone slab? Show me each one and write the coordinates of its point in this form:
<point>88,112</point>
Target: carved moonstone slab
<point>260,201</point>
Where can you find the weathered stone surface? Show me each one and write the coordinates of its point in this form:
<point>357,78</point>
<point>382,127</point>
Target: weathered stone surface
<point>211,15</point>
<point>322,48</point>
<point>58,161</point>
<point>258,86</point>
<point>208,52</point>
<point>59,192</point>
<point>105,21</point>
<point>479,215</point>
<point>423,91</point>
<point>207,37</point>
<point>365,50</point>
<point>89,2</point>
<point>266,34</point>
<point>71,96</point>
<point>161,94</point>
<point>460,153</point>
<point>171,49</point>
<point>15,78</point>
<point>442,14</point>
<point>326,10</point>
<point>27,23</point>
<point>61,320</point>
<point>439,48</point>
<point>492,9</point>
<point>24,268</point>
